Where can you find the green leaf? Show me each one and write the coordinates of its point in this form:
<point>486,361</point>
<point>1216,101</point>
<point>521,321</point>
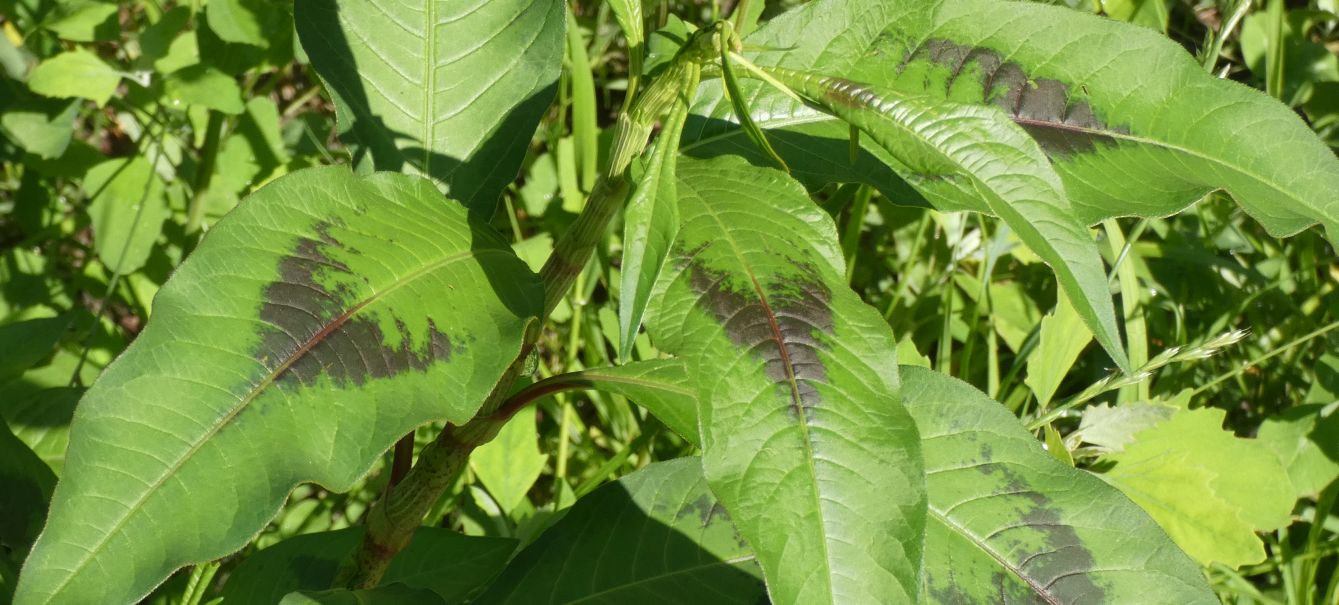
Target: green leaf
<point>1306,439</point>
<point>1010,524</point>
<point>442,561</point>
<point>1007,518</point>
<point>628,13</point>
<point>803,437</point>
<point>650,223</point>
<point>453,92</point>
<point>313,327</point>
<point>253,22</point>
<point>40,126</point>
<point>1209,489</point>
<point>128,208</point>
<point>203,86</point>
<point>654,536</point>
<point>23,502</point>
<point>392,594</point>
<point>75,74</point>
<point>1097,109</point>
<point>84,21</point>
<point>41,419</point>
<point>26,343</point>
<point>659,385</point>
<point>1063,338</point>
<point>510,463</point>
<point>948,149</point>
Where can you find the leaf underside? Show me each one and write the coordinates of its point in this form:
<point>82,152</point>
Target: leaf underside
<point>316,324</point>
<point>451,89</point>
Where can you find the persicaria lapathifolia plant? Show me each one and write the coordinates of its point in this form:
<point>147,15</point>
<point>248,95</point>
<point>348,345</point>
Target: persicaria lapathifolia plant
<point>373,327</point>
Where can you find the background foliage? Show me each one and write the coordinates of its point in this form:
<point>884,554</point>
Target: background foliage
<point>129,128</point>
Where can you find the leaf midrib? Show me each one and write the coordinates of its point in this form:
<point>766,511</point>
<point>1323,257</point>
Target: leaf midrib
<point>802,421</point>
<point>961,531</point>
<point>242,404</point>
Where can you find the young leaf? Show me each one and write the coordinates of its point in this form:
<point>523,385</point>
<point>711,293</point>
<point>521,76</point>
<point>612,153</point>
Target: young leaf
<point>742,113</point>
<point>650,223</point>
<point>659,385</point>
<point>948,149</point>
<point>453,92</point>
<point>654,536</point>
<point>1010,524</point>
<point>320,321</point>
<point>448,564</point>
<point>628,13</point>
<point>1098,110</point>
<point>803,437</point>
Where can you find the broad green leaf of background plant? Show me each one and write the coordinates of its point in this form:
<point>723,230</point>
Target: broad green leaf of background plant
<point>650,222</point>
<point>254,22</point>
<point>76,73</point>
<point>452,89</point>
<point>803,439</point>
<point>39,125</point>
<point>128,208</point>
<point>654,536</point>
<point>1111,428</point>
<point>83,20</point>
<point>1008,523</point>
<point>41,420</point>
<point>203,86</point>
<point>1132,123</point>
<point>948,149</point>
<point>1209,489</point>
<point>1306,439</point>
<point>28,483</point>
<point>316,324</point>
<point>442,561</point>
<point>510,463</point>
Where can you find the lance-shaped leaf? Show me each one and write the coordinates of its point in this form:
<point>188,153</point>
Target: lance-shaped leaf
<point>1007,519</point>
<point>316,324</point>
<point>452,89</point>
<point>1133,125</point>
<point>654,536</point>
<point>1010,524</point>
<point>650,223</point>
<point>950,149</point>
<point>448,564</point>
<point>803,437</point>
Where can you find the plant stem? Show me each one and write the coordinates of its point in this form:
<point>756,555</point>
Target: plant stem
<point>392,522</point>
